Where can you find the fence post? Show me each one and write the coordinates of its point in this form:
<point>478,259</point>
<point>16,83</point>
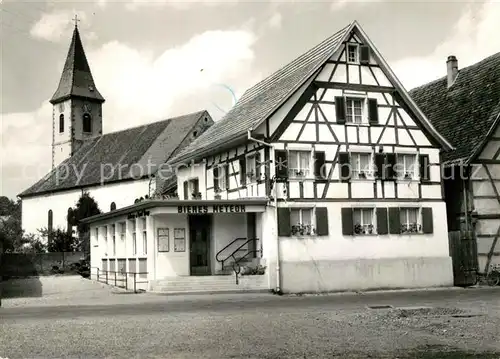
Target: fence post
<point>126,280</point>
<point>135,288</point>
<point>98,274</point>
<point>106,276</point>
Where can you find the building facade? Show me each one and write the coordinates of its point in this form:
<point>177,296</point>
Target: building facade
<point>464,106</point>
<point>326,173</point>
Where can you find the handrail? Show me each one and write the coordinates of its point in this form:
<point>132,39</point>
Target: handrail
<point>236,250</point>
<point>223,249</point>
<point>116,279</point>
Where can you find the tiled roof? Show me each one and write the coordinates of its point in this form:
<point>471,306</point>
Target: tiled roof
<point>258,102</point>
<point>261,100</point>
<point>131,150</point>
<point>76,78</point>
<point>466,112</point>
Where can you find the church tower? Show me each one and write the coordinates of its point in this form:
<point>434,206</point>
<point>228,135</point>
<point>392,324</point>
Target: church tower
<point>77,105</point>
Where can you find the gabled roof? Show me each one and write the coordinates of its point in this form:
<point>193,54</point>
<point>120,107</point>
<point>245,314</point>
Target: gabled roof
<point>263,99</point>
<point>467,112</point>
<point>76,79</point>
<point>130,150</point>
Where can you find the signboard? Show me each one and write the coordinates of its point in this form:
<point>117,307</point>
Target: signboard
<point>212,209</point>
<point>138,214</point>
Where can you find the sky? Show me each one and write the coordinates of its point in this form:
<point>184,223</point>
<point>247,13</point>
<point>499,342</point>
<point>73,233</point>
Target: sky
<point>155,59</point>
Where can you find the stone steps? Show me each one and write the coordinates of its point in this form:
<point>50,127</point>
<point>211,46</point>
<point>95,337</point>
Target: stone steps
<point>204,284</point>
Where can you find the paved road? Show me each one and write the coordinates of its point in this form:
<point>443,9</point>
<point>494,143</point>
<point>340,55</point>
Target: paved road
<point>257,326</point>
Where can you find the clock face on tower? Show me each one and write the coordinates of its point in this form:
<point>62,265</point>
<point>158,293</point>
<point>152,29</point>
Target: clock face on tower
<point>87,107</point>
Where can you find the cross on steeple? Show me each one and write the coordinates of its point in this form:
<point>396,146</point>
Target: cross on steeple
<point>76,20</point>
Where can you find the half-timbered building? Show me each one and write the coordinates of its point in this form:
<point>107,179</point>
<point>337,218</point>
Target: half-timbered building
<point>464,106</point>
<point>326,174</point>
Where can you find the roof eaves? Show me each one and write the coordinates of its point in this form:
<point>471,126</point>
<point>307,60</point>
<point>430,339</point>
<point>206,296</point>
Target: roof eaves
<point>425,121</point>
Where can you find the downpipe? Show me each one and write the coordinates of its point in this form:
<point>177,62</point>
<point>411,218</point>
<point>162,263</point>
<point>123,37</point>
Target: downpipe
<point>278,270</point>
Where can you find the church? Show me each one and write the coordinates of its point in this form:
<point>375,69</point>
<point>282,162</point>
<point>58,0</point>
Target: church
<point>114,168</point>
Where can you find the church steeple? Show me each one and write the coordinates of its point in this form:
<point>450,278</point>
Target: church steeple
<point>76,79</point>
<point>77,105</point>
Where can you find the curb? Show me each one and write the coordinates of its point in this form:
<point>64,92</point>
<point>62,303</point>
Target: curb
<point>211,292</point>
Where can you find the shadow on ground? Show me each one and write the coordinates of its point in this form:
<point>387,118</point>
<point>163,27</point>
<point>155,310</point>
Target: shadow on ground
<point>21,288</point>
<point>21,281</point>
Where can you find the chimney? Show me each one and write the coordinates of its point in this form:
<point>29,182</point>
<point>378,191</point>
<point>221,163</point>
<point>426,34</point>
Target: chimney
<point>452,69</point>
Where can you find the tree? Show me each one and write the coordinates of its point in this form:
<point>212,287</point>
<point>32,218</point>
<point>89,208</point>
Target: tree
<point>85,207</point>
<point>61,241</point>
<point>12,237</point>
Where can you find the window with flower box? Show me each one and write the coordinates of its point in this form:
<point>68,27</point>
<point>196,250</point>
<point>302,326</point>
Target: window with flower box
<point>363,221</point>
<point>302,221</point>
<point>361,165</point>
<point>410,220</point>
<point>405,166</point>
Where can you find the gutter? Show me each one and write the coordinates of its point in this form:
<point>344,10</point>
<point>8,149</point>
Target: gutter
<point>278,270</point>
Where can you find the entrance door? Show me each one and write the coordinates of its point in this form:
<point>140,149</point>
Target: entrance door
<point>199,237</point>
<point>251,234</point>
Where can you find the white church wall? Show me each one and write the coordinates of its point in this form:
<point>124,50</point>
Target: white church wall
<point>35,209</point>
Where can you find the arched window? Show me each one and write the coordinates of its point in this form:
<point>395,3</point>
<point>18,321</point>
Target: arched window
<point>61,123</point>
<point>50,228</point>
<point>87,123</point>
<point>70,220</point>
<point>113,206</point>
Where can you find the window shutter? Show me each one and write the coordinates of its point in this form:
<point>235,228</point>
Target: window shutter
<point>281,164</point>
<point>364,57</point>
<point>186,194</point>
<point>394,220</point>
<point>382,227</point>
<point>319,165</point>
<point>216,177</point>
<point>243,172</point>
<point>390,164</point>
<point>340,109</point>
<point>347,222</point>
<point>424,168</point>
<point>379,165</point>
<point>427,223</point>
<point>321,221</point>
<point>226,174</point>
<point>284,227</point>
<point>372,111</point>
<point>345,167</point>
<point>257,166</point>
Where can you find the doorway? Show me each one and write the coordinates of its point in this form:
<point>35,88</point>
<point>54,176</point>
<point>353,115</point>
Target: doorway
<point>252,234</point>
<point>199,244</point>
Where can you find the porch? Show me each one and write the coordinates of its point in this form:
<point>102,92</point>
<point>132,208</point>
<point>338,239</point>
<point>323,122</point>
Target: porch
<point>170,241</point>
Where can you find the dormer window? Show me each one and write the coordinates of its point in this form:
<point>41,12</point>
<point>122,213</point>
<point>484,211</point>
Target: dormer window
<point>352,53</point>
<point>87,123</point>
<point>61,123</point>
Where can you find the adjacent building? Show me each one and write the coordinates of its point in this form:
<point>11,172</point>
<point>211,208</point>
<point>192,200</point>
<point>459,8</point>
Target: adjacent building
<point>464,106</point>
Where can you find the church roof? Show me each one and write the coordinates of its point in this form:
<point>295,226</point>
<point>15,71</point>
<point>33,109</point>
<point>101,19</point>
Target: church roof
<point>124,155</point>
<point>76,79</point>
<point>467,112</point>
<point>263,99</point>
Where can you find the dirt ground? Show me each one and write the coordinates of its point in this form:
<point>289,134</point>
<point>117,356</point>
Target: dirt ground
<point>440,324</point>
